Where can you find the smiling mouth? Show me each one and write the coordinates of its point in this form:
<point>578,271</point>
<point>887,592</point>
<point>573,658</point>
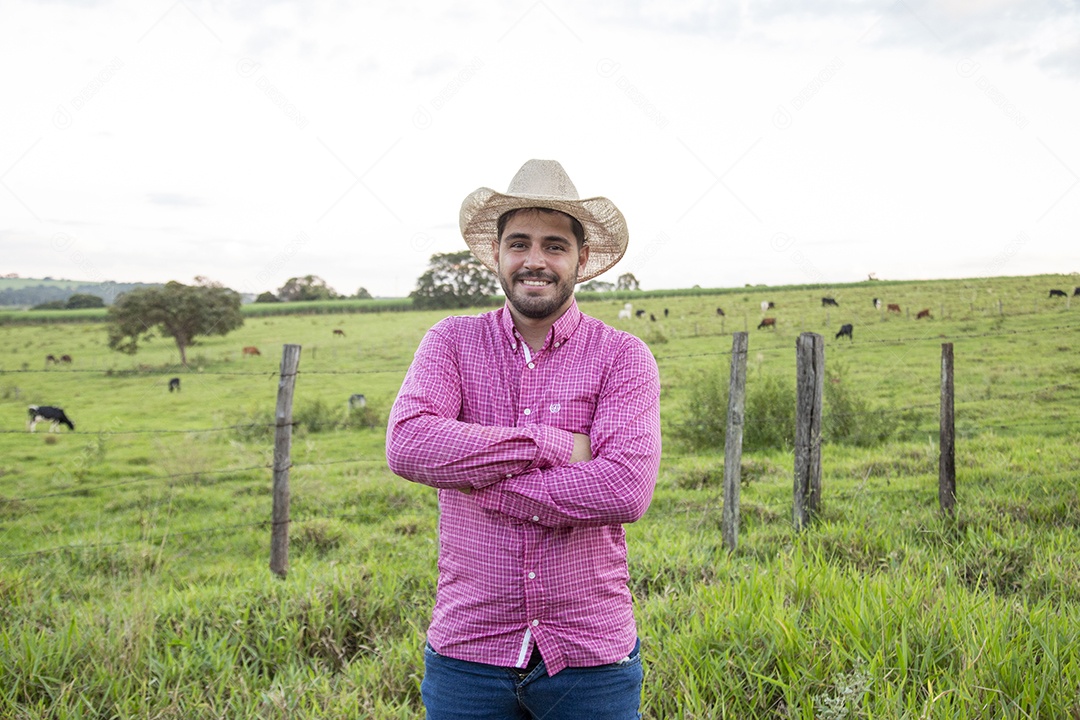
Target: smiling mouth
<point>535,282</point>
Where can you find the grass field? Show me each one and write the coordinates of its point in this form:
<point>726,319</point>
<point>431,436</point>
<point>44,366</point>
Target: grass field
<point>133,552</point>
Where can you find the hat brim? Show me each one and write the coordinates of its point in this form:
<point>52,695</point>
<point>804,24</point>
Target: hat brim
<point>605,227</point>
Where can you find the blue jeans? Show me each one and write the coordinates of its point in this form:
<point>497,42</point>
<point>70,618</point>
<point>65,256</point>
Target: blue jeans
<point>460,690</point>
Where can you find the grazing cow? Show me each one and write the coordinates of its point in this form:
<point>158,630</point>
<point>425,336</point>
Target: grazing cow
<point>1058,293</point>
<point>51,359</point>
<point>56,416</point>
<point>877,303</point>
<point>829,301</point>
<point>626,312</point>
<point>767,322</point>
<point>250,350</point>
<point>339,331</point>
<point>720,312</point>
<point>845,330</point>
<point>174,384</point>
<point>923,314</point>
<point>66,359</point>
<point>652,317</point>
<point>765,305</point>
<point>639,313</point>
<point>665,312</point>
<point>893,307</point>
<point>357,401</point>
<point>1076,291</point>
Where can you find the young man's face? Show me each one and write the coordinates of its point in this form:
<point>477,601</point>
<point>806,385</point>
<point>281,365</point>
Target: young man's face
<point>539,262</point>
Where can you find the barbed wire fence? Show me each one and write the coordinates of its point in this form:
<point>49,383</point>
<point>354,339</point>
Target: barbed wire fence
<point>279,520</point>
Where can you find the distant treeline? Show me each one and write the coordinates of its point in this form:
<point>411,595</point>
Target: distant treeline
<point>37,294</point>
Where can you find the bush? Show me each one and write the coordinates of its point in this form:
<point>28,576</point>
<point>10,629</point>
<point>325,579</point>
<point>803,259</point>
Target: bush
<point>769,424</point>
<point>363,417</point>
<point>315,416</point>
<point>847,417</point>
<point>770,413</point>
<point>769,421</point>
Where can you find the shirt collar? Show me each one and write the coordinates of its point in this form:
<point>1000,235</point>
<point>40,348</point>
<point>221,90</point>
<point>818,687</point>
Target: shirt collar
<point>560,332</point>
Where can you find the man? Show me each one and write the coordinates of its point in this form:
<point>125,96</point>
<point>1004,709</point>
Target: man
<point>540,426</point>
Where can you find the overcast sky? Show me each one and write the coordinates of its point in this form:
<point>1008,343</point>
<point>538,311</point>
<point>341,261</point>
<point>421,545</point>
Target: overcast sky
<point>774,142</point>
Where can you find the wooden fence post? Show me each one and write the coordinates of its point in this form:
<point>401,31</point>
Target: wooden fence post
<point>279,532</point>
<point>947,438</point>
<point>729,521</point>
<point>810,385</point>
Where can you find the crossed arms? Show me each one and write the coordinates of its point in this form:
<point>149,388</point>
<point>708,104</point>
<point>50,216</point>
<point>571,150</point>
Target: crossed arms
<point>539,473</point>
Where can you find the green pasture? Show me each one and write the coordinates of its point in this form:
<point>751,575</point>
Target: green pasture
<point>133,552</point>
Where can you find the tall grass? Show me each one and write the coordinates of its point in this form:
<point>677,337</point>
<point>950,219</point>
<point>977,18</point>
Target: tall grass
<point>133,553</point>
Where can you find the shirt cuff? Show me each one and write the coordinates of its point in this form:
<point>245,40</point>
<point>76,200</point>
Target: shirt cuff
<point>554,447</point>
<point>508,498</point>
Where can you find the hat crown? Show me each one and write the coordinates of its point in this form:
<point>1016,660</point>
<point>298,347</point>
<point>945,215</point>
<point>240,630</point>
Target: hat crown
<point>543,178</point>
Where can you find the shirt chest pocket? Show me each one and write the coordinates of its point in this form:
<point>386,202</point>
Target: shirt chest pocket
<point>573,412</point>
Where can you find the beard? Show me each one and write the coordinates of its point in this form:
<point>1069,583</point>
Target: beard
<point>536,307</point>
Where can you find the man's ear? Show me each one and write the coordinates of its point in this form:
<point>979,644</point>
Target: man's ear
<point>583,258</point>
<point>495,251</point>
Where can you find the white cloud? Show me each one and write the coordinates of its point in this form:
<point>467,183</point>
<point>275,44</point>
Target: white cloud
<point>177,139</point>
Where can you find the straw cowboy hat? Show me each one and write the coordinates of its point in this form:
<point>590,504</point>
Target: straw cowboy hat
<point>544,183</point>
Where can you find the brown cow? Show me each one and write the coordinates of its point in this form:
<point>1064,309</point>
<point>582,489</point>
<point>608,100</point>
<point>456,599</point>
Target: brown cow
<point>250,350</point>
<point>923,314</point>
<point>51,359</point>
<point>65,359</point>
<point>767,322</point>
<point>893,307</point>
<point>339,331</point>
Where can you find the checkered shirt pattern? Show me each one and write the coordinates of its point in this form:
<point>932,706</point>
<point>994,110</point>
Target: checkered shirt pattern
<point>536,551</point>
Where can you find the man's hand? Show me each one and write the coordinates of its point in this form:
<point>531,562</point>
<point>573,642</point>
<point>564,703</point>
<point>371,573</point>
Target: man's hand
<point>582,449</point>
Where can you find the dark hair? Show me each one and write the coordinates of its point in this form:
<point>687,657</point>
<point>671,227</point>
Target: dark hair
<point>575,224</point>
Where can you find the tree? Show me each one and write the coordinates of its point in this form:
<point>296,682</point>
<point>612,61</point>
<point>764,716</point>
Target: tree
<point>84,300</point>
<point>454,280</point>
<point>597,286</point>
<point>267,297</point>
<point>627,281</point>
<point>309,287</point>
<point>183,312</point>
<point>362,294</point>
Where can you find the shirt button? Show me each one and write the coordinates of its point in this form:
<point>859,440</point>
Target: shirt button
<point>558,344</point>
<point>509,475</point>
<point>532,365</point>
<point>536,518</point>
<point>532,576</point>
<point>535,623</point>
<point>528,411</point>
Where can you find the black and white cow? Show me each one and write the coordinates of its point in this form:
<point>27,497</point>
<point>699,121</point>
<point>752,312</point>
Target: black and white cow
<point>174,384</point>
<point>357,401</point>
<point>56,416</point>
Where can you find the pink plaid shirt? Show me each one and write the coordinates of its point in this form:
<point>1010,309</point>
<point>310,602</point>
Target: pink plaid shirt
<point>536,553</point>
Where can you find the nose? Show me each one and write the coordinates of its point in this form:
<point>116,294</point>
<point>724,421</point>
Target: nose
<point>534,257</point>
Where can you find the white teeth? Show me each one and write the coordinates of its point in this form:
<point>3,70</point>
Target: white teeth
<point>534,283</point>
